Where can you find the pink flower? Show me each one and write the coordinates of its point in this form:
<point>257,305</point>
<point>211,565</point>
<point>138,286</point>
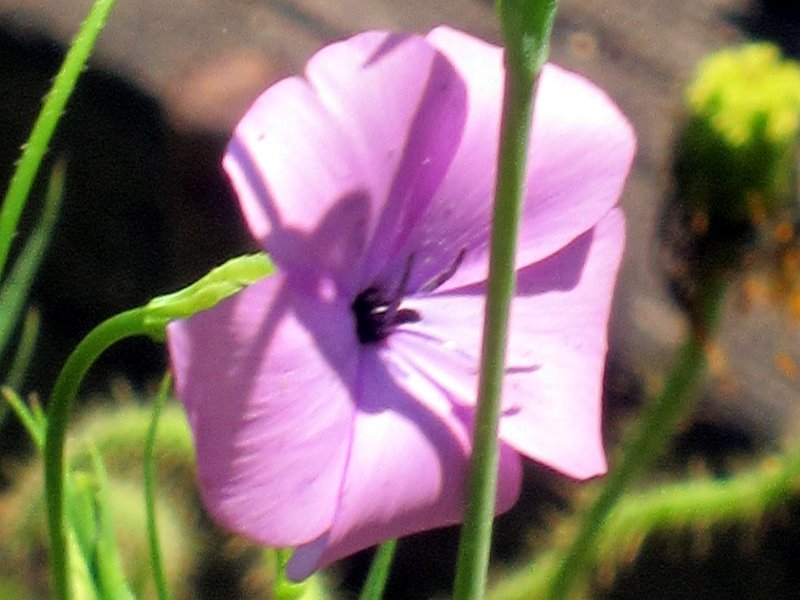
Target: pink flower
<point>332,403</point>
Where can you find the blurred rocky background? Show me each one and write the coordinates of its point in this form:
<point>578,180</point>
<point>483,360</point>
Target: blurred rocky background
<point>147,209</point>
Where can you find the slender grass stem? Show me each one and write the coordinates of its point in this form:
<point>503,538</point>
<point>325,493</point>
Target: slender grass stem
<point>379,571</point>
<point>149,491</point>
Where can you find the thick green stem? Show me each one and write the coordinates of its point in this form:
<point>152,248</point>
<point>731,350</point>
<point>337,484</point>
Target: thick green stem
<point>661,417</point>
<point>476,535</point>
<point>116,328</point>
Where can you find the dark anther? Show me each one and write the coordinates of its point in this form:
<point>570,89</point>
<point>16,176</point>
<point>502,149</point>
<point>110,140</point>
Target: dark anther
<point>377,315</point>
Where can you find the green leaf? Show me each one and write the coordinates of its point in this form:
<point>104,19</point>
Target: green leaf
<point>79,576</point>
<point>379,570</point>
<point>312,588</point>
<point>80,507</point>
<point>23,354</point>
<point>14,293</point>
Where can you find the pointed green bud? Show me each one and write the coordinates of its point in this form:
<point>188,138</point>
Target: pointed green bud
<point>218,284</point>
<point>736,158</point>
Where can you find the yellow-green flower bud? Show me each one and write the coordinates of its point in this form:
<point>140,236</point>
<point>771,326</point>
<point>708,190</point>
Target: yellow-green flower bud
<point>736,157</point>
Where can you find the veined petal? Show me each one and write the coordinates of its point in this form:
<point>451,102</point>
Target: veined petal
<point>376,125</point>
<point>580,153</point>
<point>266,377</point>
<point>554,369</point>
<point>407,472</point>
<point>560,324</point>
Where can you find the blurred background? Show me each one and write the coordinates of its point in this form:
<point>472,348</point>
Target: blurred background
<point>147,210</point>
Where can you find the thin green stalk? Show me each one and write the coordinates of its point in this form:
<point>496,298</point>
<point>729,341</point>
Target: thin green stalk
<point>32,425</point>
<point>23,354</point>
<point>112,330</point>
<point>36,146</point>
<point>149,491</point>
<point>379,570</point>
<point>150,320</point>
<point>661,417</point>
<point>476,534</point>
<point>110,578</point>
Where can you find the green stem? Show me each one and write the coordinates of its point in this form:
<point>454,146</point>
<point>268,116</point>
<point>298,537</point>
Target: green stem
<point>660,418</point>
<point>126,324</point>
<point>475,543</point>
<point>149,491</point>
<point>379,572</point>
<point>36,146</point>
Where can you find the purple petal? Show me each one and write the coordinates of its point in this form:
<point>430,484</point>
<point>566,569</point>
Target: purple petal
<point>560,324</point>
<point>580,154</point>
<point>407,472</point>
<point>266,378</point>
<point>556,356</point>
<point>376,124</point>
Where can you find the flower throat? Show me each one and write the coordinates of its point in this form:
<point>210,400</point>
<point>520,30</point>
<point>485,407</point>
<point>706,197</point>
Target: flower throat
<point>377,315</point>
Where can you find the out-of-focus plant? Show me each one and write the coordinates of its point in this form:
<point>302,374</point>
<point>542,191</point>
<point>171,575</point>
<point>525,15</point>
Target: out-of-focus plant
<point>735,197</point>
<point>736,156</point>
<point>117,432</point>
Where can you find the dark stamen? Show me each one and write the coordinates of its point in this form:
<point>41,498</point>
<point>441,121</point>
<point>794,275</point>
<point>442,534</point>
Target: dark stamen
<point>445,275</point>
<point>377,315</point>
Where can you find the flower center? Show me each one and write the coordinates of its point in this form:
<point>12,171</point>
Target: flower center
<point>376,316</point>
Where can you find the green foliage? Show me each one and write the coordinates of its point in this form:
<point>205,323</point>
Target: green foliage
<point>106,514</point>
<point>274,564</point>
<point>379,571</point>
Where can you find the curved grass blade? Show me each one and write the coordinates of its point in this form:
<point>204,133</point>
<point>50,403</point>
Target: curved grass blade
<point>110,576</point>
